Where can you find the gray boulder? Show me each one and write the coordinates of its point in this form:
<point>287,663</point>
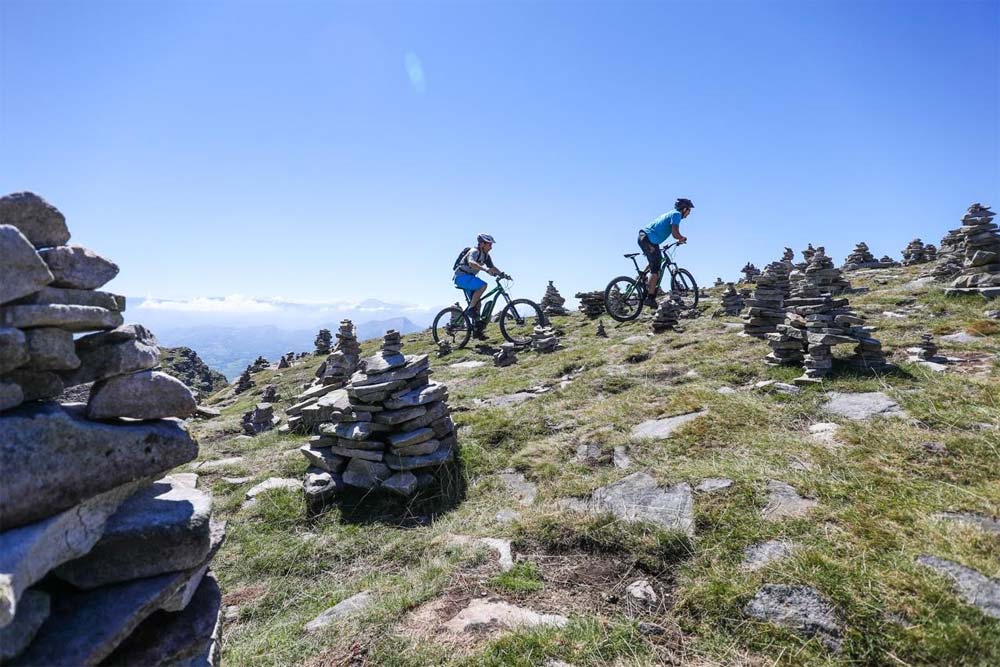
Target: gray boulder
<point>13,349</point>
<point>365,474</point>
<point>972,587</point>
<point>783,502</point>
<point>29,552</point>
<point>142,395</point>
<point>11,395</point>
<point>22,271</point>
<point>162,528</point>
<point>51,350</point>
<point>38,220</point>
<point>800,609</point>
<point>861,406</point>
<point>321,486</point>
<point>176,638</point>
<point>70,318</point>
<point>91,457</point>
<point>77,267</point>
<point>122,351</point>
<point>31,613</point>
<point>36,384</point>
<point>74,297</point>
<point>638,498</point>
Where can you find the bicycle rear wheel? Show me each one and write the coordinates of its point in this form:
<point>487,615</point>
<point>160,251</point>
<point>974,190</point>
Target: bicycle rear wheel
<point>684,288</point>
<point>452,325</point>
<point>518,320</point>
<point>623,298</point>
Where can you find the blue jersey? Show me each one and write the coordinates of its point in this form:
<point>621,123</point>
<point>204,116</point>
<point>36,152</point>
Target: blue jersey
<point>658,230</point>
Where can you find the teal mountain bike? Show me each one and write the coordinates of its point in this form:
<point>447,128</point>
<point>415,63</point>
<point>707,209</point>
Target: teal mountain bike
<point>625,297</point>
<point>517,320</point>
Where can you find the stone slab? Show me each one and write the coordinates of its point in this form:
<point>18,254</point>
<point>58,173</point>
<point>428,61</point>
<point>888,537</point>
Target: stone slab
<point>757,556</point>
<point>13,349</point>
<point>783,502</point>
<point>661,429</point>
<point>70,318</point>
<point>22,270</point>
<point>352,605</point>
<point>78,267</point>
<point>142,395</point>
<point>971,586</point>
<point>638,498</point>
<point>75,297</point>
<point>801,609</point>
<point>38,220</point>
<point>122,351</point>
<point>92,457</point>
<point>51,349</point>
<point>861,406</point>
<point>495,613</point>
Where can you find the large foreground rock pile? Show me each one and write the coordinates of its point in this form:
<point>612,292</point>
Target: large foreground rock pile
<point>316,404</point>
<point>765,311</point>
<point>553,302</point>
<point>103,560</point>
<point>981,266</point>
<point>390,430</point>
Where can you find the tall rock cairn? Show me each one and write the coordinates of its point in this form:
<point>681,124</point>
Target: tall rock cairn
<point>103,559</point>
<point>862,258</point>
<point>930,252</point>
<point>553,302</point>
<point>591,303</point>
<point>392,431</point>
<point>732,302</point>
<point>807,255</point>
<point>765,311</point>
<point>914,253</point>
<point>666,316</point>
<point>827,276</point>
<point>981,267</point>
<point>316,404</point>
<point>323,342</point>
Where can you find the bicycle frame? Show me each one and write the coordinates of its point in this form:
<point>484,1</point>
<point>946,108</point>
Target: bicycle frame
<point>487,306</point>
<point>668,260</point>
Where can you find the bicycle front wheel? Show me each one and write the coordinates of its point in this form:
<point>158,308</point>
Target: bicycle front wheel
<point>684,288</point>
<point>623,298</point>
<point>518,320</point>
<point>452,325</point>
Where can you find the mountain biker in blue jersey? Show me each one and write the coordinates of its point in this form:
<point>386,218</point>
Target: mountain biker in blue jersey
<point>650,238</point>
<point>472,262</point>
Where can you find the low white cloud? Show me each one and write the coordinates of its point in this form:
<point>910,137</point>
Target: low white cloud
<point>415,72</point>
<point>238,304</point>
<point>234,303</point>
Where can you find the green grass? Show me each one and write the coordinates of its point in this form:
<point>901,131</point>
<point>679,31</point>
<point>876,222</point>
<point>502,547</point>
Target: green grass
<point>877,493</point>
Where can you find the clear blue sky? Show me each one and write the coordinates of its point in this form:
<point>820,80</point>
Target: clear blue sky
<point>321,150</point>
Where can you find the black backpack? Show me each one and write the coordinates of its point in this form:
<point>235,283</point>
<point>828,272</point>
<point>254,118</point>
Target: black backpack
<point>461,258</point>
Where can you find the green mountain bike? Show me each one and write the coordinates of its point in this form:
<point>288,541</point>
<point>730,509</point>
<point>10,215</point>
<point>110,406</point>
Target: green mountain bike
<point>625,297</point>
<point>517,319</point>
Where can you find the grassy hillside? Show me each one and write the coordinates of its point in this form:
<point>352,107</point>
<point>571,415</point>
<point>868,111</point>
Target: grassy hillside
<point>876,488</point>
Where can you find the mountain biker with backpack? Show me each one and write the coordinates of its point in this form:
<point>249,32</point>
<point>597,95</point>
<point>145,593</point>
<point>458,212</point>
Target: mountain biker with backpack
<point>656,233</point>
<point>470,262</point>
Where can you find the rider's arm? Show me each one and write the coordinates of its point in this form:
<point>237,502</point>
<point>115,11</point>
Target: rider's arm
<point>675,230</point>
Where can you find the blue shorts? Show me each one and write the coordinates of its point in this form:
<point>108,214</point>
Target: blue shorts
<point>468,282</point>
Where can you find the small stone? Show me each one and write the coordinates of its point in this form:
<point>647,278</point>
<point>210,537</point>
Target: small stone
<point>523,490</point>
<point>861,406</point>
<point>507,516</point>
<point>404,483</point>
<point>40,222</point>
<point>784,503</point>
<point>13,349</point>
<point>218,464</point>
<point>270,484</point>
<point>620,459</point>
<point>142,395</point>
<point>713,484</point>
<point>365,474</point>
<point>127,349</point>
<point>11,395</point>
<point>800,609</point>
<point>725,391</point>
<point>22,271</point>
<point>972,519</point>
<point>641,591</point>
<point>972,587</point>
<point>757,556</point>
<point>638,498</point>
<point>494,613</point>
<point>661,429</point>
<point>77,267</point>
<point>355,603</point>
<point>824,433</point>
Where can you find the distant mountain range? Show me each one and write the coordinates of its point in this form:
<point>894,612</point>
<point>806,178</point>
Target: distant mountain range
<point>229,333</point>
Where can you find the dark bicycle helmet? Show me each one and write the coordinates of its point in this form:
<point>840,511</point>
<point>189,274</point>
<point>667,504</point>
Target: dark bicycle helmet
<point>485,238</point>
<point>683,202</point>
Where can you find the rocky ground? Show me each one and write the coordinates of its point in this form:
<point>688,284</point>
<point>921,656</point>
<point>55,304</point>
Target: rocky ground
<point>645,500</point>
<point>184,364</point>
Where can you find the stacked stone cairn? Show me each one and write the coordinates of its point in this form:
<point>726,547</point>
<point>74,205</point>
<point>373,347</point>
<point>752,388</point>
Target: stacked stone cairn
<point>601,333</point>
<point>750,273</point>
<point>807,256</point>
<point>507,356</point>
<point>259,364</point>
<point>732,302</point>
<point>544,339</point>
<point>931,252</point>
<point>928,349</point>
<point>244,382</point>
<point>591,303</point>
<point>981,267</point>
<point>317,403</point>
<point>444,348</point>
<point>270,394</point>
<point>861,258</point>
<point>914,253</point>
<point>284,362</point>
<point>827,276</point>
<point>553,302</point>
<point>391,432</point>
<point>666,316</point>
<point>103,559</point>
<point>260,419</point>
<point>952,245</point>
<point>323,342</point>
<point>788,256</point>
<point>765,311</point>
<point>888,262</point>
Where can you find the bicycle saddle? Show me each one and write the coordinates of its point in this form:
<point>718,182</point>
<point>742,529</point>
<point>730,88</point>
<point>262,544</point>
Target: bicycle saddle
<point>631,255</point>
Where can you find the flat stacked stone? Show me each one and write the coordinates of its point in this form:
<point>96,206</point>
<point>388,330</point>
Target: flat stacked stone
<point>319,401</point>
<point>765,311</point>
<point>244,382</point>
<point>732,302</point>
<point>981,266</point>
<point>260,419</point>
<point>601,333</point>
<point>125,546</point>
<point>591,303</point>
<point>507,356</point>
<point>750,273</point>
<point>666,317</point>
<point>861,258</point>
<point>323,342</point>
<point>827,276</point>
<point>914,253</point>
<point>952,245</point>
<point>544,339</point>
<point>390,432</point>
<point>553,302</point>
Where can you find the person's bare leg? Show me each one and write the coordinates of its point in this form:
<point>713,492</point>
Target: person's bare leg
<point>654,278</point>
<point>474,303</point>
